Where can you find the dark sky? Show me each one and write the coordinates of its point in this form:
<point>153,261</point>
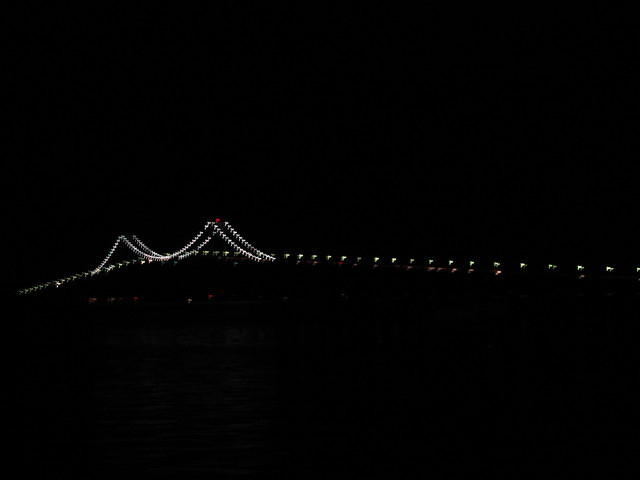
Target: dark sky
<point>338,129</point>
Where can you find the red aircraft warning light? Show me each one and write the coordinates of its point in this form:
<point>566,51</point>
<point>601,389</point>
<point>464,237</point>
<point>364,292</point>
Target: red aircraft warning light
<point>218,220</point>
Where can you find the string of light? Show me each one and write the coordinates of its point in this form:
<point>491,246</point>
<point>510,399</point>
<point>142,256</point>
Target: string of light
<point>246,244</point>
<point>240,244</point>
<point>155,255</point>
<point>106,259</point>
<point>195,250</point>
<point>145,253</point>
<point>234,245</point>
<point>144,247</point>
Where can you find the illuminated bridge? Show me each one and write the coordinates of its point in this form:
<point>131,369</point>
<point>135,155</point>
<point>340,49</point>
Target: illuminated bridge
<point>238,250</point>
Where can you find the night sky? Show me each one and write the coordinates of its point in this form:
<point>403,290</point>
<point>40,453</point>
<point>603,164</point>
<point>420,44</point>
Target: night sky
<point>332,129</point>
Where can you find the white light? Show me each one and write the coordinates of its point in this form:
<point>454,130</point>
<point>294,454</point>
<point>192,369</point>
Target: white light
<point>255,252</point>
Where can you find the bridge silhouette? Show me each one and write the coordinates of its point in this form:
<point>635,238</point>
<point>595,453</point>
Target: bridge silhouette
<point>241,250</point>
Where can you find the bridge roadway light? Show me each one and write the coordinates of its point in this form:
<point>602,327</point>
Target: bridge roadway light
<point>300,255</point>
<point>375,259</point>
<point>393,259</point>
<point>609,269</point>
<point>580,268</point>
<point>286,255</point>
<point>430,261</point>
<point>637,269</point>
<point>496,264</point>
<point>472,263</point>
<point>412,260</point>
<point>343,258</point>
<point>551,266</point>
<point>313,257</point>
<point>523,266</point>
<point>358,259</point>
<point>328,257</point>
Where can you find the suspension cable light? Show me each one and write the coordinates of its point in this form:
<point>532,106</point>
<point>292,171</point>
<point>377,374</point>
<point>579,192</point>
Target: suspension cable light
<point>233,244</point>
<point>148,255</point>
<point>241,240</point>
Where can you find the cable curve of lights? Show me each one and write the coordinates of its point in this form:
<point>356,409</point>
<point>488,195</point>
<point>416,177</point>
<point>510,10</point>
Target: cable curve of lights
<point>246,244</point>
<point>145,253</point>
<point>143,246</point>
<point>234,245</point>
<point>106,259</point>
<point>195,250</point>
<point>157,256</point>
<point>175,254</point>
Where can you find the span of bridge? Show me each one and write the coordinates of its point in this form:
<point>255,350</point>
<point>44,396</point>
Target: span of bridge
<point>242,250</point>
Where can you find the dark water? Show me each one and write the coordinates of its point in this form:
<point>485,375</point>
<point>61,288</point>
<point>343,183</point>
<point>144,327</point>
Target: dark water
<point>338,389</point>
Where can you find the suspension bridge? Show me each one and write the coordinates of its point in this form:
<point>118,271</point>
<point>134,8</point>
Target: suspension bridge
<point>240,249</point>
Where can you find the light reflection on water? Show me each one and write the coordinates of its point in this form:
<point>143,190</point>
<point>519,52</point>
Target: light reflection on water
<point>186,411</point>
<point>165,394</point>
